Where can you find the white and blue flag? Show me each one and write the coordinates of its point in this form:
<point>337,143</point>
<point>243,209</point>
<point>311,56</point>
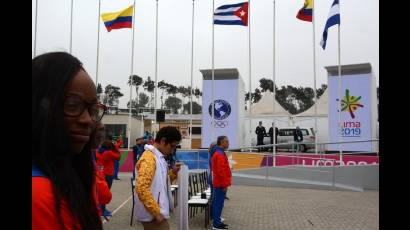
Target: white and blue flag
<point>333,19</point>
<point>234,14</point>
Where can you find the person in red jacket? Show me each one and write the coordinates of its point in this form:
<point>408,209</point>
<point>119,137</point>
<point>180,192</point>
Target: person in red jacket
<point>221,180</point>
<point>65,110</point>
<point>117,145</point>
<point>102,191</point>
<point>105,156</point>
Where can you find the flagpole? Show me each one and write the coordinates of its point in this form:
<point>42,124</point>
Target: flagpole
<point>131,73</point>
<point>98,43</point>
<point>192,72</point>
<point>249,58</point>
<point>314,71</point>
<point>213,74</point>
<point>156,63</point>
<point>35,31</point>
<point>274,90</point>
<point>71,27</point>
<point>340,94</point>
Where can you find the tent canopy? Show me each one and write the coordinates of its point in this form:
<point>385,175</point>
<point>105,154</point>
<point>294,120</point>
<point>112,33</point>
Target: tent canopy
<point>267,107</point>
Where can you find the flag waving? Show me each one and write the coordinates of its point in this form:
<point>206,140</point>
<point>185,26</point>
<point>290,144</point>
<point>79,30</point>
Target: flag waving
<point>333,19</point>
<point>234,14</point>
<point>305,14</point>
<point>118,20</point>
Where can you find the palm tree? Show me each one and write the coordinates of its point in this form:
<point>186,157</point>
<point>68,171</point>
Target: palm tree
<point>149,85</point>
<point>163,86</point>
<point>136,81</point>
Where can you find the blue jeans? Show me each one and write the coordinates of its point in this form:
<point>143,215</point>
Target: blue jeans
<point>217,205</point>
<point>116,169</point>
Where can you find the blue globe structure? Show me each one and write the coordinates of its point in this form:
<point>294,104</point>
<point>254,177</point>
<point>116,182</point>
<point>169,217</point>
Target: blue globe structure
<point>222,109</point>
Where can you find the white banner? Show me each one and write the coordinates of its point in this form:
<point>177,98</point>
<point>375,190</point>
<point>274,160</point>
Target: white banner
<point>356,112</point>
<point>226,111</point>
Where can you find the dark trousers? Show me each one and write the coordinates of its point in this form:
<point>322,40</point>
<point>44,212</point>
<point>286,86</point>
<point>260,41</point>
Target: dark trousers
<point>260,142</point>
<point>109,180</point>
<point>218,205</point>
<point>116,168</point>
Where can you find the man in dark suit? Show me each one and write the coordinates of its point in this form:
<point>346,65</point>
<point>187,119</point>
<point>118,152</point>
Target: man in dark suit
<point>260,133</point>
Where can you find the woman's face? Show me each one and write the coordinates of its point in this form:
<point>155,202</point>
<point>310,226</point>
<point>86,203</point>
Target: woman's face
<point>80,92</point>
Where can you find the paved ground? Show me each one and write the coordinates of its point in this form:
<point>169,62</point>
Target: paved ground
<point>262,208</point>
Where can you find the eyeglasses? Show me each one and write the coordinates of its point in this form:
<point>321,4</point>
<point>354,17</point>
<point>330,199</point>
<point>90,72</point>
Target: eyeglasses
<point>74,106</point>
<point>173,146</point>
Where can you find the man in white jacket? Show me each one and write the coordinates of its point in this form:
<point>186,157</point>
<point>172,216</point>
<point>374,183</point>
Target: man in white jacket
<point>153,201</point>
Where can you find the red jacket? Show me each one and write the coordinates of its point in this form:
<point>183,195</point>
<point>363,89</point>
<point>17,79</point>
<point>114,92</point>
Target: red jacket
<point>106,159</point>
<point>43,212</point>
<point>103,192</point>
<point>118,144</point>
<point>221,172</point>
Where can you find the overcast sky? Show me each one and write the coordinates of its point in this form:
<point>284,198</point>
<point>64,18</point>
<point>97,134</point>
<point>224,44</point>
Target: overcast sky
<point>359,35</point>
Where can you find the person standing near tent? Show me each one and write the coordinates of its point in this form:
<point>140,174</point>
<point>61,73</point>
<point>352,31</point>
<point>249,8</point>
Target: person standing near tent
<point>297,137</point>
<point>271,134</point>
<point>260,133</point>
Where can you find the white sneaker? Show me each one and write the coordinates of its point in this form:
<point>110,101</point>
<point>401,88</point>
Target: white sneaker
<point>222,219</point>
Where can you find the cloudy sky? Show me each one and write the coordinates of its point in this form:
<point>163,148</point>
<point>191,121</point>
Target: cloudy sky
<point>359,35</point>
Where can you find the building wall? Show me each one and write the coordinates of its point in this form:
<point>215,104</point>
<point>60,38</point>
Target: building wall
<point>122,119</point>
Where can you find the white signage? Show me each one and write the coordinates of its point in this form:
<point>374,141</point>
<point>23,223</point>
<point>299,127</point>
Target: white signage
<point>225,120</point>
<point>356,115</point>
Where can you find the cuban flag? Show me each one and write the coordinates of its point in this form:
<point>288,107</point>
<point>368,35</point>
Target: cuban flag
<point>333,19</point>
<point>234,14</point>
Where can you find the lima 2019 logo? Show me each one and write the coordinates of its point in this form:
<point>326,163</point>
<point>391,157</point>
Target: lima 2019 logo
<point>351,104</point>
<point>222,109</point>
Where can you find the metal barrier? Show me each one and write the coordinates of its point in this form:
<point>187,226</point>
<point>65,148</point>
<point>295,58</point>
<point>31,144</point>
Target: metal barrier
<point>323,166</point>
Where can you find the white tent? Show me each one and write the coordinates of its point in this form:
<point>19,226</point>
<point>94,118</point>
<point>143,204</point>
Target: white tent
<point>265,107</point>
<point>322,107</point>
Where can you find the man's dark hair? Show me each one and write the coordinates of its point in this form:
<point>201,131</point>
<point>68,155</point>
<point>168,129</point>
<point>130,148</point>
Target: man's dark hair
<point>170,133</point>
<point>220,139</point>
<point>71,175</point>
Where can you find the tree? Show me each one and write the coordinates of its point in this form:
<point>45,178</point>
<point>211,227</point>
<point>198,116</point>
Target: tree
<point>173,103</point>
<point>149,85</point>
<point>285,98</point>
<point>266,84</point>
<point>136,81</point>
<point>197,93</point>
<point>143,100</point>
<point>99,89</point>
<point>196,108</point>
<point>163,86</point>
<point>321,90</point>
<point>303,98</point>
<point>99,92</point>
<point>112,94</point>
<point>256,96</point>
<point>185,93</point>
<point>172,89</point>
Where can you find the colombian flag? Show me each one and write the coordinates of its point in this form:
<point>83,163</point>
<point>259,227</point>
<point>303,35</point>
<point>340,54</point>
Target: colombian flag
<point>118,20</point>
<point>305,14</point>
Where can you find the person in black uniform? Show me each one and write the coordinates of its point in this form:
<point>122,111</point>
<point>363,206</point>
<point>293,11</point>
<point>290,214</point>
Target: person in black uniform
<point>271,134</point>
<point>260,133</point>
